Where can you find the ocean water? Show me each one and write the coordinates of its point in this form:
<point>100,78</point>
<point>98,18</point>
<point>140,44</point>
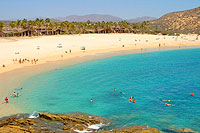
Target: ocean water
<point>170,75</point>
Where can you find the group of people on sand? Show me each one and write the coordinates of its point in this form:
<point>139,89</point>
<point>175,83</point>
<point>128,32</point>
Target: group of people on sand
<point>15,94</point>
<point>66,53</point>
<point>25,60</point>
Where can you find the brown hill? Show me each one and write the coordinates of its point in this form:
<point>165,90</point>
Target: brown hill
<point>184,22</point>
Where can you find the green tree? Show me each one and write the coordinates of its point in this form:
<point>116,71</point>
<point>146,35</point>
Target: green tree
<point>88,22</point>
<point>24,23</point>
<point>42,21</point>
<point>2,25</point>
<point>47,20</point>
<point>18,23</point>
<point>136,26</point>
<point>12,24</point>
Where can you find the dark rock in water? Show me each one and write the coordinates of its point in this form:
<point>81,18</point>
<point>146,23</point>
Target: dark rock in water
<point>134,129</point>
<point>186,130</point>
<point>181,130</point>
<point>169,131</point>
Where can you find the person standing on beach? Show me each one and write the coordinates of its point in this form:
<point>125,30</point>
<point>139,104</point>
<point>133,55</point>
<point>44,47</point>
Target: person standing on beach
<point>6,99</point>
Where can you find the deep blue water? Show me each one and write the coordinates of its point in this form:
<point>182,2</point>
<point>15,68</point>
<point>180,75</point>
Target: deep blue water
<point>171,75</point>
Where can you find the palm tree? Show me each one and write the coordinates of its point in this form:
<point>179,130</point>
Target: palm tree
<point>47,20</point>
<point>47,27</point>
<point>30,26</point>
<point>72,27</point>
<point>109,26</point>
<point>88,22</point>
<point>51,26</point>
<point>62,25</point>
<point>42,21</point>
<point>136,26</point>
<point>18,23</point>
<point>13,24</point>
<point>24,23</point>
<point>103,25</point>
<point>144,25</point>
<point>2,25</point>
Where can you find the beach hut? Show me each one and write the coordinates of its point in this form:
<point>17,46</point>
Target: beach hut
<point>83,48</point>
<point>59,45</point>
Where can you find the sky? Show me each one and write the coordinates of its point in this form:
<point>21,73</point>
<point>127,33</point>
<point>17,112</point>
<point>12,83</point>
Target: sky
<point>126,9</point>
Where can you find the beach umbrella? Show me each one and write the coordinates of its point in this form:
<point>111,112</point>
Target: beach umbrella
<point>59,45</point>
<point>83,48</point>
<point>38,47</point>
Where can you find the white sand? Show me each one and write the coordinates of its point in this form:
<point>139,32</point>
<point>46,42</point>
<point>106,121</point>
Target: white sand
<point>26,47</point>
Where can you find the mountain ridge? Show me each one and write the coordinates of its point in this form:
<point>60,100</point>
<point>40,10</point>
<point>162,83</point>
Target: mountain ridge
<point>102,17</point>
<point>92,18</point>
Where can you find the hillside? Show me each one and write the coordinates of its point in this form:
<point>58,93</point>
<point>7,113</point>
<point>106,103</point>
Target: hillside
<point>99,18</point>
<point>184,21</point>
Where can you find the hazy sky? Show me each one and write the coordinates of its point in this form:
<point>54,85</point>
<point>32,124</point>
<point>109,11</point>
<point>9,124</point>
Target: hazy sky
<point>127,9</point>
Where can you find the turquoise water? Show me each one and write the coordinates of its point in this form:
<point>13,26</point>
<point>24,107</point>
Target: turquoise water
<point>169,75</point>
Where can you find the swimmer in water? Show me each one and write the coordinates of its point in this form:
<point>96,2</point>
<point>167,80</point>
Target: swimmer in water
<point>14,94</point>
<point>91,100</point>
<point>115,89</point>
<point>192,94</point>
<point>6,99</point>
<point>167,104</point>
<point>131,99</point>
<point>164,100</point>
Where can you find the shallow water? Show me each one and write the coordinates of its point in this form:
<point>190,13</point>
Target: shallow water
<point>169,75</point>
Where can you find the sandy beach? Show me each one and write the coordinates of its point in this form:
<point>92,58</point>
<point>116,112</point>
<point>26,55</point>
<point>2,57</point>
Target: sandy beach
<point>45,49</point>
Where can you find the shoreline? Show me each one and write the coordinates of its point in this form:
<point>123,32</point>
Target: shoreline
<point>16,74</point>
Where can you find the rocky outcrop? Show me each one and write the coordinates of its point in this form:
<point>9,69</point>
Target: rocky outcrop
<point>75,121</point>
<point>50,123</point>
<point>134,129</point>
<point>186,130</point>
